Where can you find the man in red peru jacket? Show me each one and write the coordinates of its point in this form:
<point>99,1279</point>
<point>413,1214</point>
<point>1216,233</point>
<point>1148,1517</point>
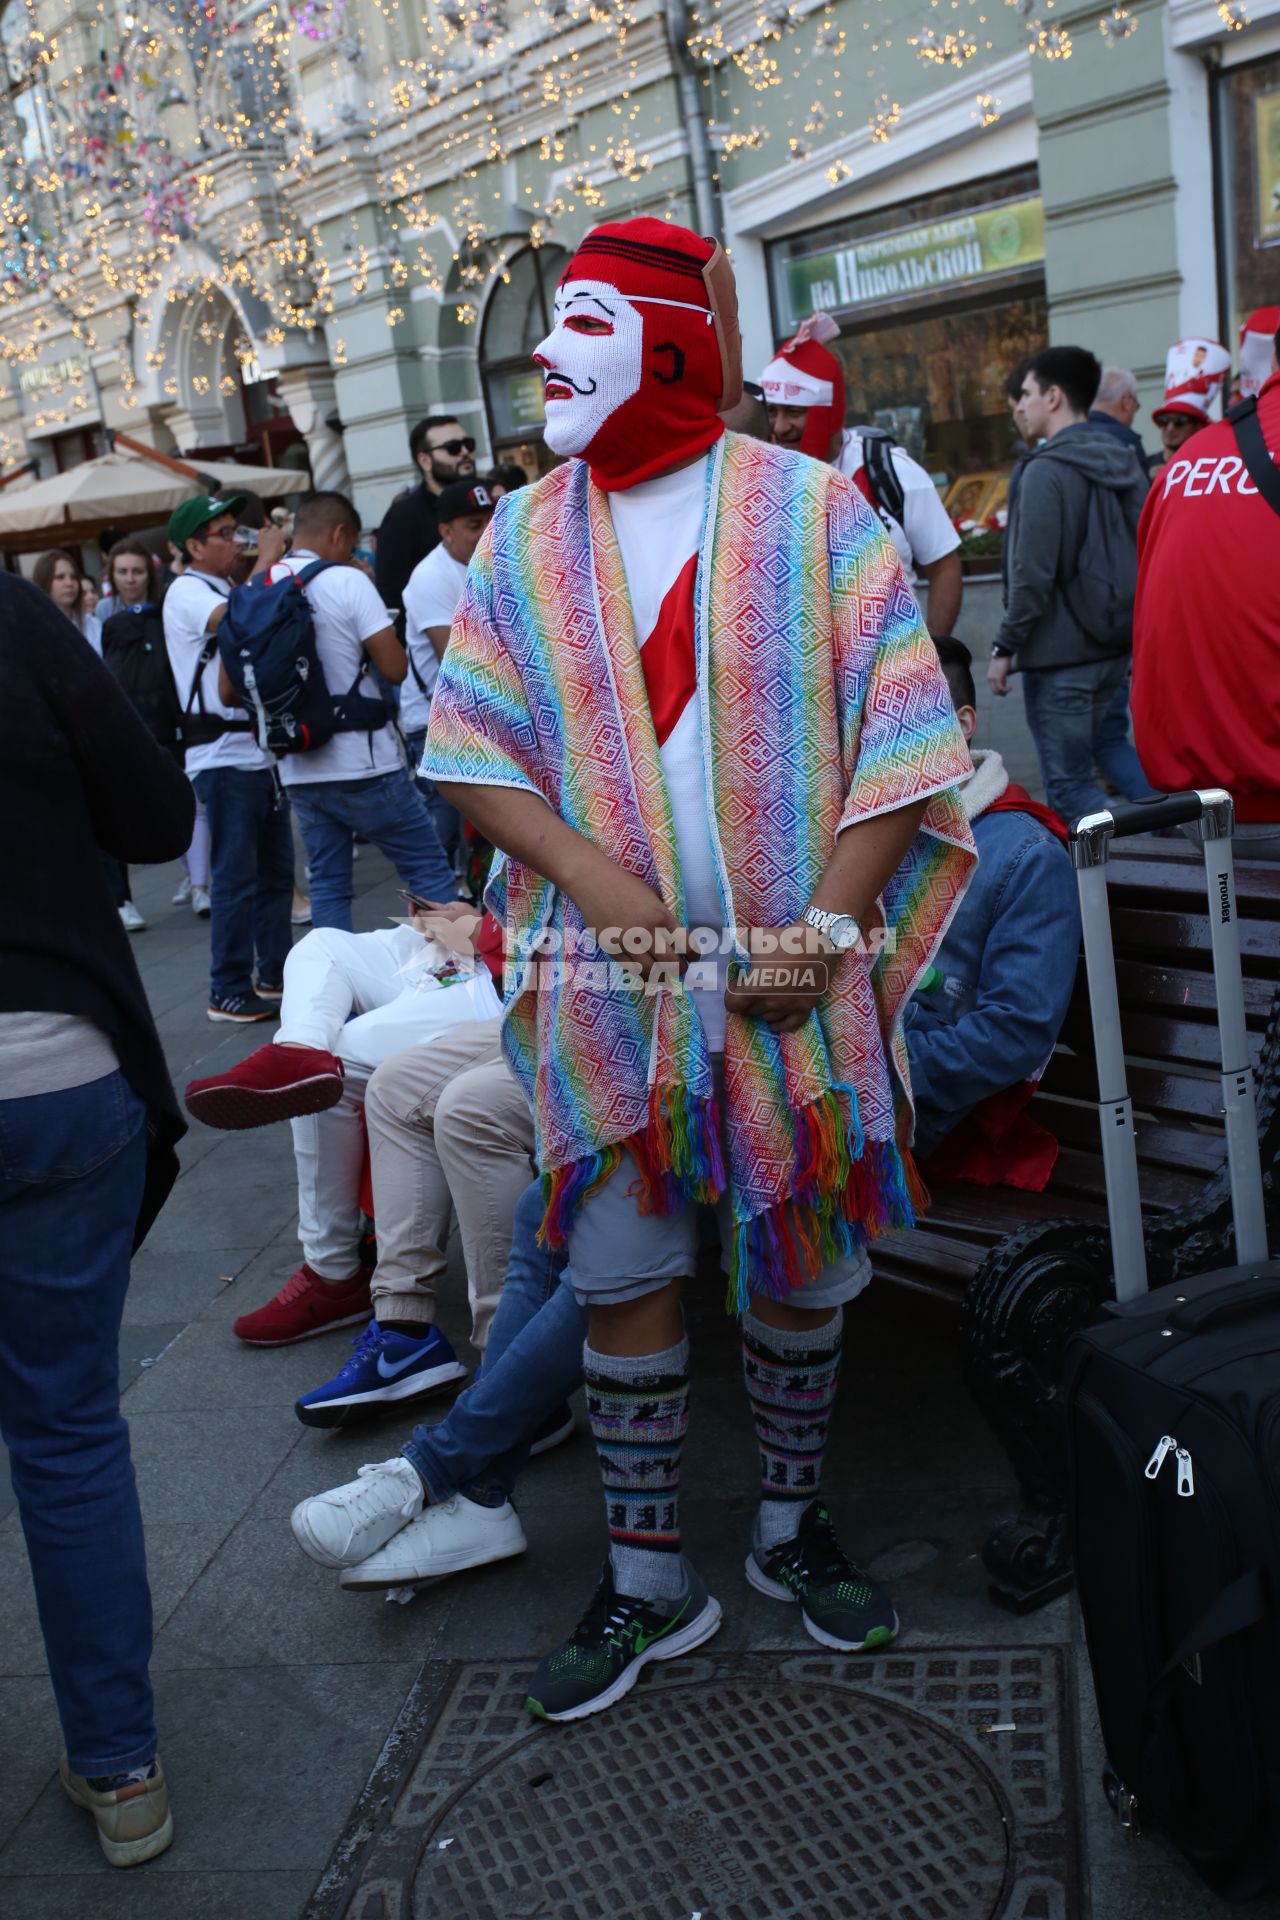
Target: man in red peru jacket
<point>1206,634</point>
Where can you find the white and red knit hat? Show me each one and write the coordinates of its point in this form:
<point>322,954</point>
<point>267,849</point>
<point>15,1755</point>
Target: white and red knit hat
<point>1194,371</point>
<point>804,374</point>
<point>1257,346</point>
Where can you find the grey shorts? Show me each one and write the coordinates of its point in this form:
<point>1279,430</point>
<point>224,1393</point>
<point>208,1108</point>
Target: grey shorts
<point>617,1253</point>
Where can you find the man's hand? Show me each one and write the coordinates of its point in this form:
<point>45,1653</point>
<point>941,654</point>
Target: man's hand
<point>451,924</point>
<point>628,918</point>
<point>998,669</point>
<point>272,546</point>
<point>790,970</point>
<point>613,903</point>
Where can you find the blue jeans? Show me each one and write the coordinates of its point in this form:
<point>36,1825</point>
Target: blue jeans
<point>71,1173</point>
<point>1079,716</point>
<point>251,877</point>
<point>446,820</point>
<point>532,1363</point>
<point>389,811</point>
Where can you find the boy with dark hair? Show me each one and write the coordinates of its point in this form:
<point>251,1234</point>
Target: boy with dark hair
<point>1072,570</point>
<point>442,453</point>
<point>984,1019</point>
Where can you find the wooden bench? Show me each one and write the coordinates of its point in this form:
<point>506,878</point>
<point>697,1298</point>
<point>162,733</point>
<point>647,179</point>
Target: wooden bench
<point>1028,1269</point>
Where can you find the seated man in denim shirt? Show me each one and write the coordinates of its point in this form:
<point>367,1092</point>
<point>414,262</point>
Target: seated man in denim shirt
<point>985,1018</point>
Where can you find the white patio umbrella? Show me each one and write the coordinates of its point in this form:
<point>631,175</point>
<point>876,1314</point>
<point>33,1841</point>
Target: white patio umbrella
<point>126,489</point>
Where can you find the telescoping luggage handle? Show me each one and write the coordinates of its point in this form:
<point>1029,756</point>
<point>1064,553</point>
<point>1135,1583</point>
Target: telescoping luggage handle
<point>1090,840</point>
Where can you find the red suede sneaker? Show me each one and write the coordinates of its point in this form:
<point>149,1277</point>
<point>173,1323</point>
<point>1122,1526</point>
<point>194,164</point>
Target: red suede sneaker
<point>305,1306</point>
<point>275,1083</point>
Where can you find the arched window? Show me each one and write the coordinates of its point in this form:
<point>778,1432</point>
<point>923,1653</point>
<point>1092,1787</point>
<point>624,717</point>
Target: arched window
<point>517,317</point>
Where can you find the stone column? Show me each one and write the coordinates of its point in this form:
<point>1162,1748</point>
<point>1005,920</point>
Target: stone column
<point>309,394</point>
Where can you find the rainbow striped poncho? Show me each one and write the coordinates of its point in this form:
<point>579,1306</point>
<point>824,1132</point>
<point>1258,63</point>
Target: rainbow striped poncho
<point>822,704</point>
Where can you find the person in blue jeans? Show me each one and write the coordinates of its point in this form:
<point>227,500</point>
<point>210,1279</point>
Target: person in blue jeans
<point>1081,483</point>
<point>357,783</point>
<point>251,874</point>
<point>444,1503</point>
<point>251,852</point>
<point>88,1121</point>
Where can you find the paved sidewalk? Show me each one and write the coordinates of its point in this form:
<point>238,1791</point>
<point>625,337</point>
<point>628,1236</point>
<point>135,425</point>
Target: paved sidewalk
<point>277,1692</point>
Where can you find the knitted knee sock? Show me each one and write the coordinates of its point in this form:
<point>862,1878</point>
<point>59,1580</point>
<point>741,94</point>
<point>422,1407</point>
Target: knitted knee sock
<point>639,1409</point>
<point>791,1384</point>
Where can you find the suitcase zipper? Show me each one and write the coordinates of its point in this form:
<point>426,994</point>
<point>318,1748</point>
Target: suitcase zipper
<point>1165,1446</point>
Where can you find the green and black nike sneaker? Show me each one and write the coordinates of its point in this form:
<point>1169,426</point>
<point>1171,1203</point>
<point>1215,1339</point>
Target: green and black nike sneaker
<point>841,1606</point>
<point>616,1637</point>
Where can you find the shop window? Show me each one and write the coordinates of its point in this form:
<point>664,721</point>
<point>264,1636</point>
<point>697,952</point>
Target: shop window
<point>516,319</point>
<point>936,382</point>
<point>937,299</point>
<point>1249,191</point>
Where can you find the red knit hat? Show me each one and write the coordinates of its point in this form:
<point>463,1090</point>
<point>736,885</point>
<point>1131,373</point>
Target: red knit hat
<point>1257,345</point>
<point>804,374</point>
<point>644,351</point>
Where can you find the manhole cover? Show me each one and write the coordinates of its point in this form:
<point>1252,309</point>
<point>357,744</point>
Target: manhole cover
<point>728,1800</point>
<point>919,1785</point>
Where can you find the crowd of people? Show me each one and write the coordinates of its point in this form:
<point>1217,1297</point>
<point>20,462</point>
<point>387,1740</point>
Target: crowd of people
<point>769,942</point>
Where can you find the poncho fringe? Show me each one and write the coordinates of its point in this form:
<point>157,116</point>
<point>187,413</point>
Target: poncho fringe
<point>847,1192</point>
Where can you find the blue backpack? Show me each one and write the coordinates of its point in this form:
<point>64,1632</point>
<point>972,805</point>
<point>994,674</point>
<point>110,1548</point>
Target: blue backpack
<point>267,641</point>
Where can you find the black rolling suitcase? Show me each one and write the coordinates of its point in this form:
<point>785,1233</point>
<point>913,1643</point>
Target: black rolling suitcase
<point>1173,1413</point>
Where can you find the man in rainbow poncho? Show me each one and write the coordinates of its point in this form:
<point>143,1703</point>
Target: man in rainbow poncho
<point>689,697</point>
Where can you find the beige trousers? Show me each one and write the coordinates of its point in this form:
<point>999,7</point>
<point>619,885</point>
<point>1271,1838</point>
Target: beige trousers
<point>448,1127</point>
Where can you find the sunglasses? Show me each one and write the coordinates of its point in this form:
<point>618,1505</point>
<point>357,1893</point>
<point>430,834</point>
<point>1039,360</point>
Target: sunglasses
<point>455,447</point>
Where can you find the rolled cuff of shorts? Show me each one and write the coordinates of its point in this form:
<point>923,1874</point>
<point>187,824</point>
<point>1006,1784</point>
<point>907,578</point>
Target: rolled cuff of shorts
<point>835,1286</point>
<point>613,1293</point>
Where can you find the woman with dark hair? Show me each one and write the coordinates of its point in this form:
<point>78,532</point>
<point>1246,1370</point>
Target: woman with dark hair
<point>133,642</point>
<point>88,1124</point>
<point>59,575</point>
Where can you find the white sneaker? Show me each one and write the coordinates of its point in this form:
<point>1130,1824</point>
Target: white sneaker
<point>131,920</point>
<point>201,903</point>
<point>344,1526</point>
<point>183,894</point>
<point>441,1540</point>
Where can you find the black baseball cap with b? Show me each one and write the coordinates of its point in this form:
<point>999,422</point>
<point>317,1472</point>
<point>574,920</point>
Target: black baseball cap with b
<point>186,521</point>
<point>461,497</point>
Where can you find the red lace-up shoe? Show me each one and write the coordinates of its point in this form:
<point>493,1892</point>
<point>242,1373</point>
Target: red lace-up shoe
<point>305,1306</point>
<point>275,1083</point>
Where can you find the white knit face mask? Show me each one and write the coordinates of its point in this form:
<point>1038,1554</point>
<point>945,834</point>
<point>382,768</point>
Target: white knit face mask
<point>591,362</point>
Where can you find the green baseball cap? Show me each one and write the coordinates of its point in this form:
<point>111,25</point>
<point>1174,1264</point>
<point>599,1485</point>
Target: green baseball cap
<point>194,514</point>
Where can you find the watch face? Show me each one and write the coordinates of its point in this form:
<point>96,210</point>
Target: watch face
<point>844,932</point>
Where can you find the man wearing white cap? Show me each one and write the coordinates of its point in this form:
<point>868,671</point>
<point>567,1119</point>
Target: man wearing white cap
<point>804,393</point>
<point>1193,373</point>
<point>1257,350</point>
<point>1206,632</point>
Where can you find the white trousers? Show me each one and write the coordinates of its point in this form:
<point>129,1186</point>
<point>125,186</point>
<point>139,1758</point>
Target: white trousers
<point>328,977</point>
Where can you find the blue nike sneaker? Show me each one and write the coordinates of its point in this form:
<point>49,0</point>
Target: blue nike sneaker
<point>384,1368</point>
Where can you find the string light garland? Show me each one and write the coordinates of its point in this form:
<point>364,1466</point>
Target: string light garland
<point>270,166</point>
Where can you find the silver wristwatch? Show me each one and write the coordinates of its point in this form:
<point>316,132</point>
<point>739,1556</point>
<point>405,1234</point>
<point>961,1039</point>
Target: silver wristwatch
<point>841,929</point>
